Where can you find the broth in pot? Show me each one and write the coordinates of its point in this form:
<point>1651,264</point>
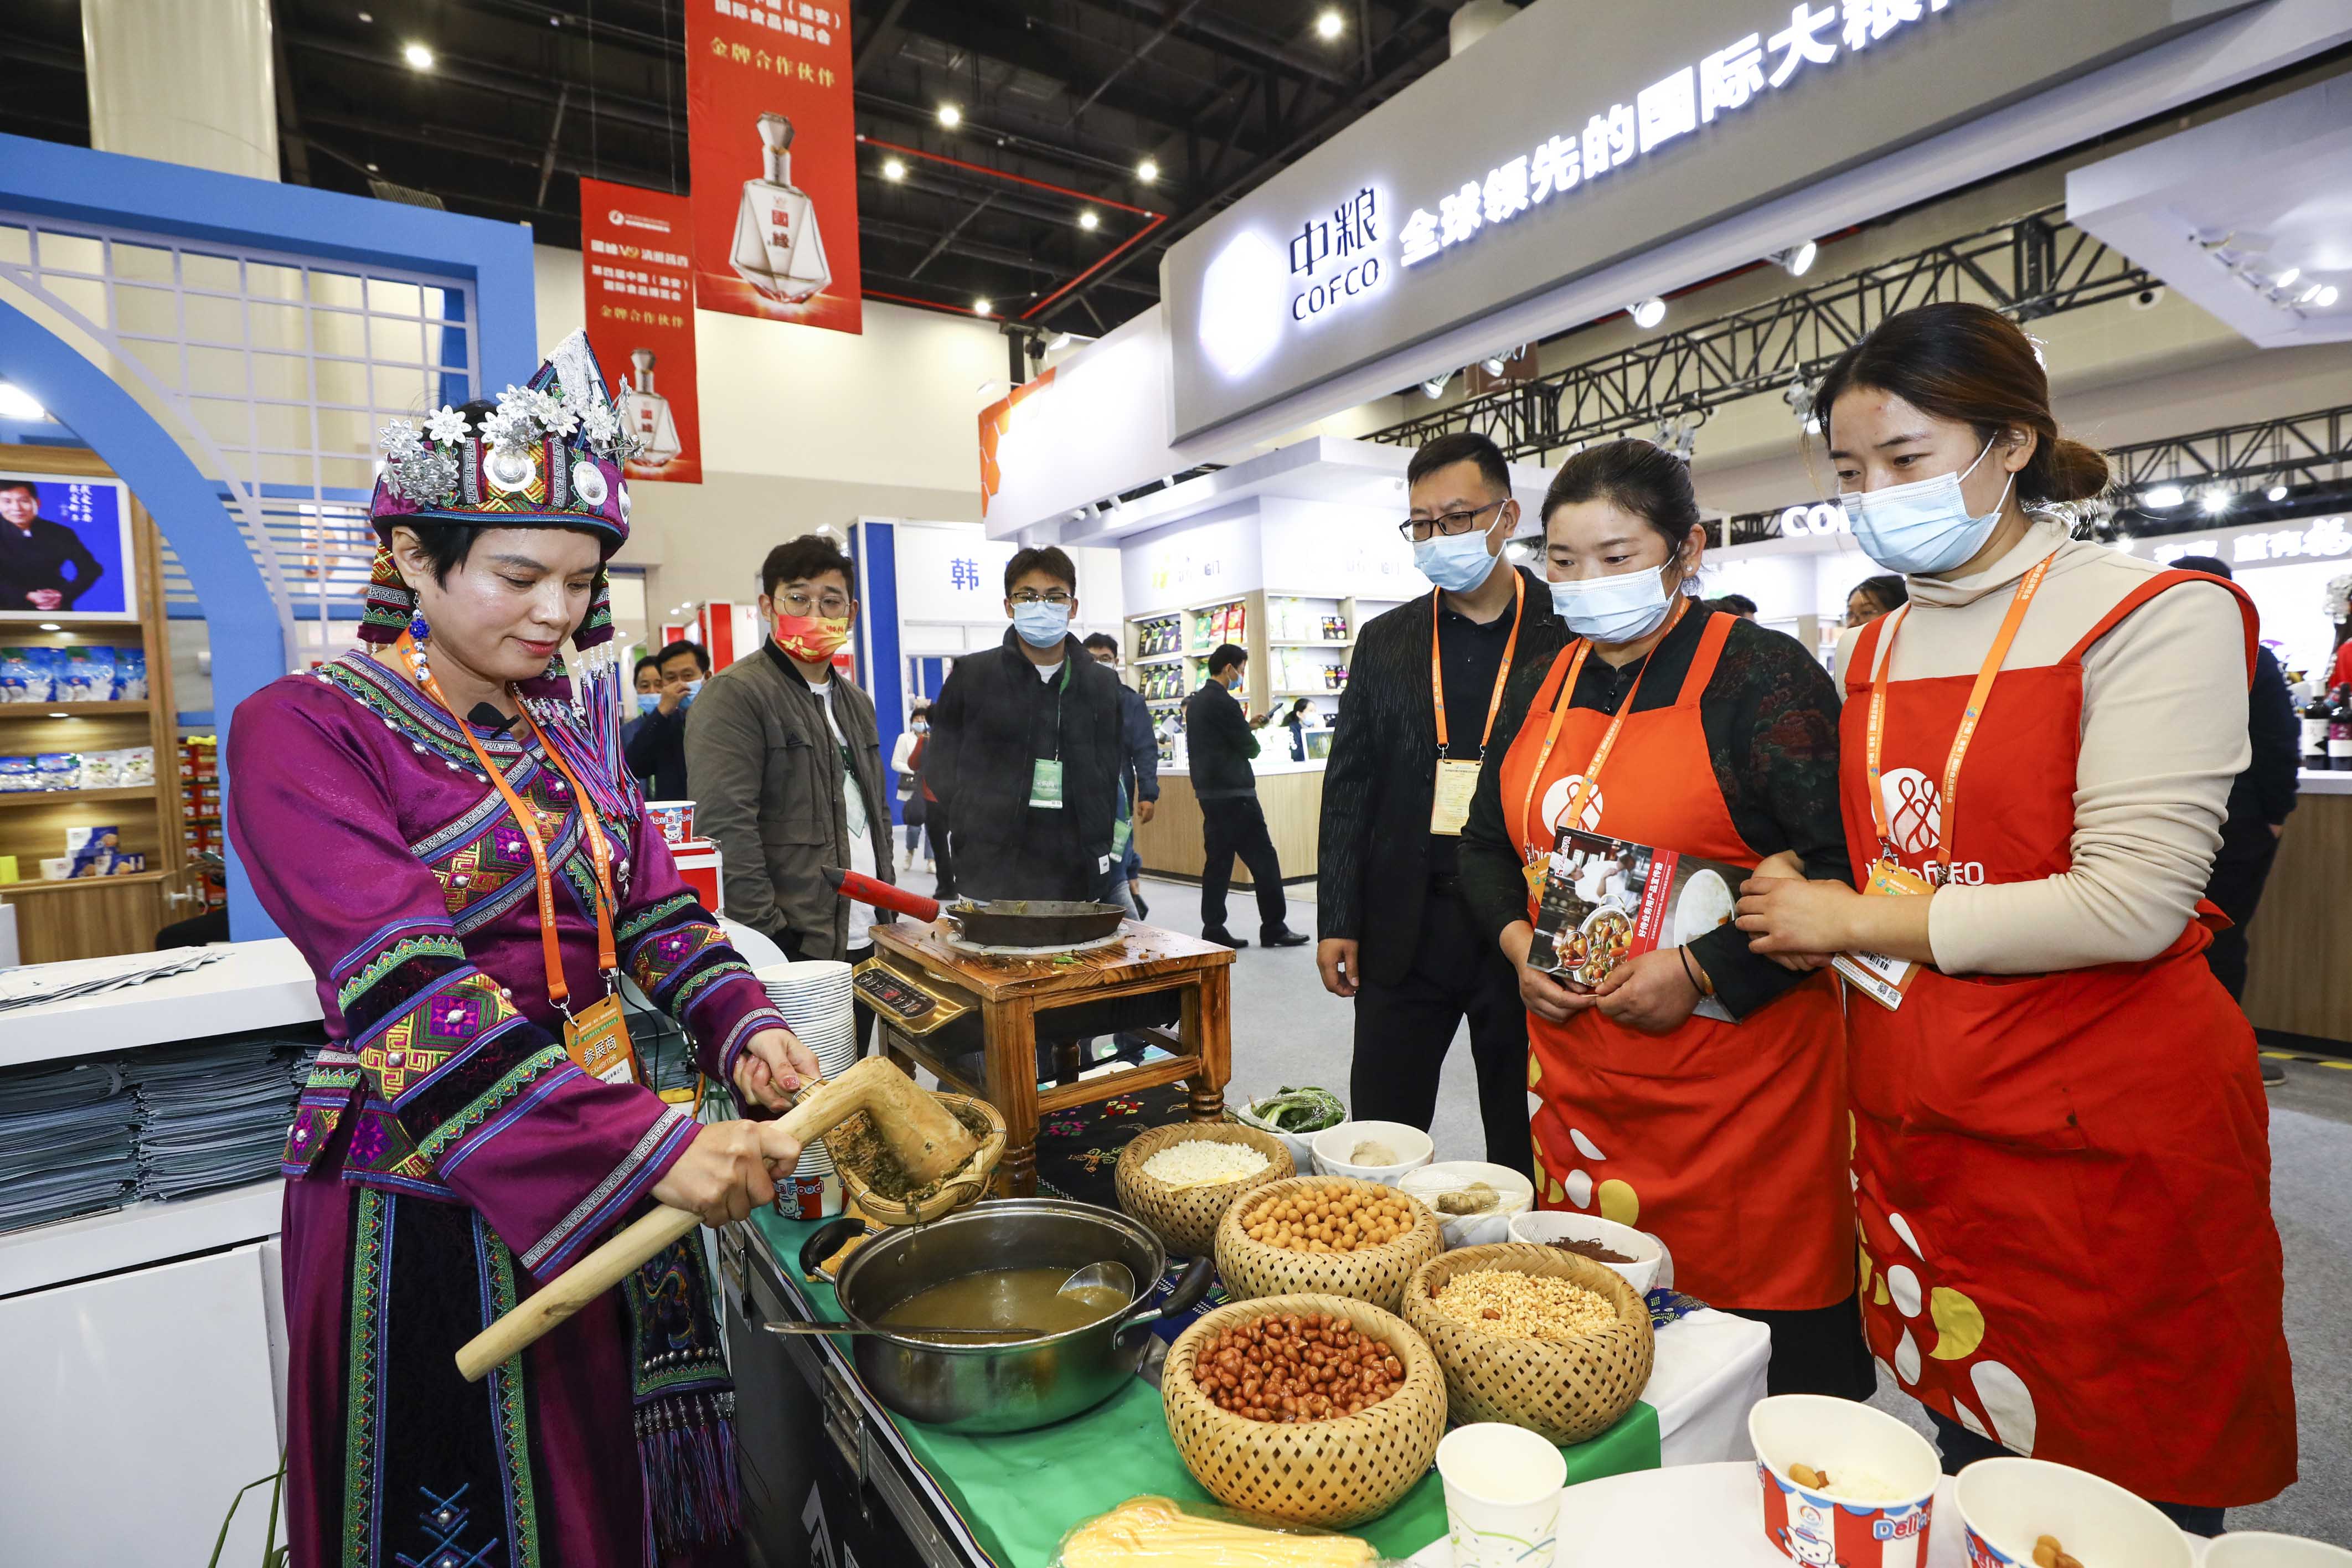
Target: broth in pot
<point>1025,1303</point>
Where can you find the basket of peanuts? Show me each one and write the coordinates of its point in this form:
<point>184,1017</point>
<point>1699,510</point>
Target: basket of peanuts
<point>1327,1236</point>
<point>1313,1409</point>
<point>1535,1336</point>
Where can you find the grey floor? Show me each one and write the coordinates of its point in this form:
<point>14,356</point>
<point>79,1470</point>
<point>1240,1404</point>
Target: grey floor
<point>1288,1030</point>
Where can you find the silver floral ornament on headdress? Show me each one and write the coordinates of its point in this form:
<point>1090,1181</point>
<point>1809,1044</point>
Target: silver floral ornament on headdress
<point>415,471</point>
<point>446,426</point>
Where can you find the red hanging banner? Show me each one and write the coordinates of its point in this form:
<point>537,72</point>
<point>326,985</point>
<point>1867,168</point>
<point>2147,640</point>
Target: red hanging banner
<point>771,141</point>
<point>637,255</point>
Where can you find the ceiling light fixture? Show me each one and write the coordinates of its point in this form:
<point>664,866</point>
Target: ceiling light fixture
<point>373,169</point>
<point>2310,294</point>
<point>2214,501</point>
<point>1329,23</point>
<point>418,57</point>
<point>1493,364</point>
<point>16,403</point>
<point>2163,497</point>
<point>2326,297</point>
<point>981,308</point>
<point>950,116</point>
<point>52,627</point>
<point>1090,220</point>
<point>1147,171</point>
<point>1057,342</point>
<point>367,15</point>
<point>1435,387</point>
<point>894,169</point>
<point>1648,313</point>
<point>1798,259</point>
<point>2275,493</point>
<point>2287,277</point>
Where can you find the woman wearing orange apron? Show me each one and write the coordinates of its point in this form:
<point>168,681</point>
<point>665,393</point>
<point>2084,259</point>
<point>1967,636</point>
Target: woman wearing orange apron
<point>1670,726</point>
<point>2062,1150</point>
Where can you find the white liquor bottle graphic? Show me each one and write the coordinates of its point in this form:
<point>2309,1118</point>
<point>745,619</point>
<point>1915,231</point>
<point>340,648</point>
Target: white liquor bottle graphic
<point>778,249</point>
<point>647,412</point>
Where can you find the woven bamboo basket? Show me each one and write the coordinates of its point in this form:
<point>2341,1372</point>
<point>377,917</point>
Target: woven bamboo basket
<point>1333,1473</point>
<point>1569,1394</point>
<point>1185,1218</point>
<point>967,1185</point>
<point>1374,1274</point>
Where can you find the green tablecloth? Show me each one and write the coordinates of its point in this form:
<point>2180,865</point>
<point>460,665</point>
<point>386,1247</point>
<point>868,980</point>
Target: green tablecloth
<point>1021,1492</point>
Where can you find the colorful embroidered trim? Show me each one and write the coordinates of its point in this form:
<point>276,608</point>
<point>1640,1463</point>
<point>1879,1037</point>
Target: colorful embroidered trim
<point>363,1366</point>
<point>508,1402</point>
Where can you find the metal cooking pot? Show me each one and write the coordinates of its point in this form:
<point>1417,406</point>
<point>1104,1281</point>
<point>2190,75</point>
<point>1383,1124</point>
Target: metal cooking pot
<point>1048,926</point>
<point>1005,1388</point>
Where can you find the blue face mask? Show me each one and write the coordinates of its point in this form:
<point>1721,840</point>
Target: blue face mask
<point>1617,609</point>
<point>649,700</point>
<point>1456,562</point>
<point>692,686</point>
<point>1923,526</point>
<point>1040,625</point>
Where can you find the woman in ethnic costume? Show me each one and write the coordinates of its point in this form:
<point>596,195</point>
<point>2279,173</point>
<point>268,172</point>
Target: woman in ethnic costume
<point>452,1152</point>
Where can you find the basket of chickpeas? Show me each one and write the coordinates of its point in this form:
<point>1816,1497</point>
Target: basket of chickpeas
<point>1542,1338</point>
<point>1329,1236</point>
<point>1314,1409</point>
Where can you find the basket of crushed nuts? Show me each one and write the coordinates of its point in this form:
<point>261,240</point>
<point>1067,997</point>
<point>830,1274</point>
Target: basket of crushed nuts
<point>1180,1196</point>
<point>1312,1409</point>
<point>1330,1236</point>
<point>1531,1335</point>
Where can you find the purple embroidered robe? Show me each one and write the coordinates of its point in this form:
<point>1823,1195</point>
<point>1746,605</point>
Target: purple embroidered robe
<point>381,850</point>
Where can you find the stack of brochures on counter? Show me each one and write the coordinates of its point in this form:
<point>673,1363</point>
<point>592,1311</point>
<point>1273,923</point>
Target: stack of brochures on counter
<point>215,1113</point>
<point>69,1143</point>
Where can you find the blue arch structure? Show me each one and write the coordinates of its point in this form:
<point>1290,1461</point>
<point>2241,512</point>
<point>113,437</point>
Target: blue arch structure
<point>48,180</point>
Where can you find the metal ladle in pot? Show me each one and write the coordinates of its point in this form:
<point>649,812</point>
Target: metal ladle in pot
<point>1112,1275</point>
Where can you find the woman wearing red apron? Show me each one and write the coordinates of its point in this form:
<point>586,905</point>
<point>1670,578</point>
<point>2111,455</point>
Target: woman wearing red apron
<point>1669,726</point>
<point>2060,1142</point>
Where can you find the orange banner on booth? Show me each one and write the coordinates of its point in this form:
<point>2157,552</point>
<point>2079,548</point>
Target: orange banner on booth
<point>996,422</point>
<point>636,254</point>
<point>772,140</point>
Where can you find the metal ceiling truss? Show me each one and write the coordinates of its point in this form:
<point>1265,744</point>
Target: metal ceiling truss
<point>2035,266</point>
<point>2310,454</point>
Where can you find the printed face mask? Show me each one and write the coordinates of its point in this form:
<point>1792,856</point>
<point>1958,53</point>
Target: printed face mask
<point>1455,563</point>
<point>1040,625</point>
<point>1617,609</point>
<point>812,639</point>
<point>1923,526</point>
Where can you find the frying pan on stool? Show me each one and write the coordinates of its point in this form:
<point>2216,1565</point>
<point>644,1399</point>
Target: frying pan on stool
<point>1045,926</point>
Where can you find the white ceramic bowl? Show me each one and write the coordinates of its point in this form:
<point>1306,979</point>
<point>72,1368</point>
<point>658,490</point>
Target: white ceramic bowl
<point>2006,1504</point>
<point>1333,1145</point>
<point>2261,1549</point>
<point>1300,1144</point>
<point>1838,1437</point>
<point>1544,1227</point>
<point>1519,1196</point>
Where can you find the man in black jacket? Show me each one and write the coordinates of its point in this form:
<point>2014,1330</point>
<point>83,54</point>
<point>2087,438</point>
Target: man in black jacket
<point>1024,749</point>
<point>1219,744</point>
<point>1395,934</point>
<point>1139,775</point>
<point>656,750</point>
<point>2260,800</point>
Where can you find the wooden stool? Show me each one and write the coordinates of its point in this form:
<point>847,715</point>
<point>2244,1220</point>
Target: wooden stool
<point>1009,992</point>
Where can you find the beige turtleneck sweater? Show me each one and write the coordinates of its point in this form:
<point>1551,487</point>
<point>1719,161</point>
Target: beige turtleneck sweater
<point>2163,733</point>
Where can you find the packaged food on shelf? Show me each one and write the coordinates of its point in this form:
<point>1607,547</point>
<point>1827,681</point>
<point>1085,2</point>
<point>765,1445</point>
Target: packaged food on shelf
<point>56,770</point>
<point>92,851</point>
<point>86,675</point>
<point>18,775</point>
<point>28,675</point>
<point>131,675</point>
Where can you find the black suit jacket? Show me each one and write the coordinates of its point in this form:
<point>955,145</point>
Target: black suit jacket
<point>1372,870</point>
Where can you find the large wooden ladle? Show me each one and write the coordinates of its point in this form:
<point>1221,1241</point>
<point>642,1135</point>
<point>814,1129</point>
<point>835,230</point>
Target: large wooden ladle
<point>922,1134</point>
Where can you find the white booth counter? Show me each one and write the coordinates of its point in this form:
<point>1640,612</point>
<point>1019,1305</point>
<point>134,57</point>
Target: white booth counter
<point>153,1335</point>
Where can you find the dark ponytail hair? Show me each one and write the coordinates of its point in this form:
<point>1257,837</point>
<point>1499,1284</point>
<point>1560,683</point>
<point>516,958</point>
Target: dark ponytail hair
<point>1969,362</point>
<point>1633,476</point>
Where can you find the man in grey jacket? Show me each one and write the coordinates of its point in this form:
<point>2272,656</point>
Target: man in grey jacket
<point>786,763</point>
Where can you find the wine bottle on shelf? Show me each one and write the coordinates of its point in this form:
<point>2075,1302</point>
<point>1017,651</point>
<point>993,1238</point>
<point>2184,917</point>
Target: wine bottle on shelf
<point>2315,730</point>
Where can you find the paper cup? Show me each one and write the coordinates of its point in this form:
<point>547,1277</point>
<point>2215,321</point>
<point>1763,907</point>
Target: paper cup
<point>2261,1549</point>
<point>2008,1504</point>
<point>675,818</point>
<point>1502,1496</point>
<point>1819,1526</point>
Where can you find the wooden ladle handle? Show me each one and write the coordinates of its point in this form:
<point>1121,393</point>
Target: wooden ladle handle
<point>819,1110</point>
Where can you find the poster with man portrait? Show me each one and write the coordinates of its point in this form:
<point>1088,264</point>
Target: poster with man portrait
<point>64,548</point>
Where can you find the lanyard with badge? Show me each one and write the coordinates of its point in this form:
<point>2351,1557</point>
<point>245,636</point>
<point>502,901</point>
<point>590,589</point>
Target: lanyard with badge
<point>1045,774</point>
<point>597,1037</point>
<point>1457,779</point>
<point>1885,979</point>
<point>1587,786</point>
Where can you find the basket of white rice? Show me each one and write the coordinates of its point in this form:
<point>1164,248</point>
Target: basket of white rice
<point>1177,1181</point>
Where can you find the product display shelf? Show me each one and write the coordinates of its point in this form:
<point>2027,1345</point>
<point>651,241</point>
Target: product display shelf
<point>94,917</point>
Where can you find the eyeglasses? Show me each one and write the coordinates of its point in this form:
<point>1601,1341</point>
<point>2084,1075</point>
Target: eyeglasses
<point>833,606</point>
<point>1417,529</point>
<point>1055,596</point>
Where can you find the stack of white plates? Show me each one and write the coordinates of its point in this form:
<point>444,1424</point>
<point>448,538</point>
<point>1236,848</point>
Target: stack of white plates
<point>817,1000</point>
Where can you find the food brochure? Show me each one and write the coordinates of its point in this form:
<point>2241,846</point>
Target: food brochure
<point>1605,899</point>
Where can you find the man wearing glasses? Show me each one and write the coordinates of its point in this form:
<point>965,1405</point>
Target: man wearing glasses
<point>1025,748</point>
<point>1423,689</point>
<point>786,763</point>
